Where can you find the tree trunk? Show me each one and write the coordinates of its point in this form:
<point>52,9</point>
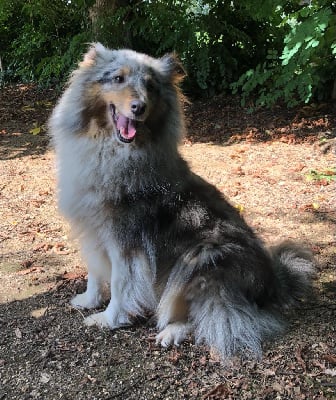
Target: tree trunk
<point>100,12</point>
<point>333,94</point>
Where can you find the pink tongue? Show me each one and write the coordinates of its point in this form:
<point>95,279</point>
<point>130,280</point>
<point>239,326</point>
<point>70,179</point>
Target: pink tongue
<point>126,127</point>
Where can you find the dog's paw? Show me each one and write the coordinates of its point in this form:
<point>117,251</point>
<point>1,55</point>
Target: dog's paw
<point>85,301</point>
<point>105,320</point>
<point>98,319</point>
<point>173,333</point>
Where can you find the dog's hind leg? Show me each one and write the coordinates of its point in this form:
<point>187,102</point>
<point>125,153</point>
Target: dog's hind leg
<point>174,333</point>
<point>172,319</point>
<point>99,273</point>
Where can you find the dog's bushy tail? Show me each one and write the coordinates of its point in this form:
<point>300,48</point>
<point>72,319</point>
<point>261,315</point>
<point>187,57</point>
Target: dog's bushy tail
<point>294,269</point>
<point>230,324</point>
<point>228,321</point>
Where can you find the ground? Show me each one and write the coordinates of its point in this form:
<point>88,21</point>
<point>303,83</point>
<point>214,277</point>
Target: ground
<point>275,166</point>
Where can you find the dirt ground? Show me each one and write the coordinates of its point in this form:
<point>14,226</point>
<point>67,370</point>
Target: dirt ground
<point>270,164</point>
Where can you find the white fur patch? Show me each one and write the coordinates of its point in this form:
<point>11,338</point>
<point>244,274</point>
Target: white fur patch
<point>108,319</point>
<point>99,274</point>
<point>173,333</point>
<point>86,300</point>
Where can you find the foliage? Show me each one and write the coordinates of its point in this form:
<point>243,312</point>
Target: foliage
<point>41,39</point>
<point>326,175</point>
<point>215,40</point>
<point>272,50</point>
<point>304,66</point>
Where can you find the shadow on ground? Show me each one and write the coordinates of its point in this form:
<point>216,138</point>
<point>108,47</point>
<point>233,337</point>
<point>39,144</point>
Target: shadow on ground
<point>47,353</point>
<point>18,145</point>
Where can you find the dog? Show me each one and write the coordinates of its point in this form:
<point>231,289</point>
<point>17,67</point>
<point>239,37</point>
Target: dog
<point>163,239</point>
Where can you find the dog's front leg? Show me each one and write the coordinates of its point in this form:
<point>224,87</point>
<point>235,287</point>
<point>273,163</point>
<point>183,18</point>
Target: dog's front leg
<point>99,274</point>
<point>92,297</point>
<point>114,316</point>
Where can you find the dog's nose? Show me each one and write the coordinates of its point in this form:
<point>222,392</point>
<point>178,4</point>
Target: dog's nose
<point>138,107</point>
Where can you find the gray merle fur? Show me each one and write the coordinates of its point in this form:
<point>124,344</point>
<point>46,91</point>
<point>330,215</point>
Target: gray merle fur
<point>163,238</point>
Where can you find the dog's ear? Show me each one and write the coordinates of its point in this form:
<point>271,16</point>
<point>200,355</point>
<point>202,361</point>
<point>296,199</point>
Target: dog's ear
<point>90,57</point>
<point>172,67</point>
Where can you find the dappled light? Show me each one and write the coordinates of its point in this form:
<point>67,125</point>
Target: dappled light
<point>282,187</point>
<point>259,80</point>
<point>226,122</point>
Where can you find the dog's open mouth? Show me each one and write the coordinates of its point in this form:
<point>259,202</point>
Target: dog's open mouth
<point>126,127</point>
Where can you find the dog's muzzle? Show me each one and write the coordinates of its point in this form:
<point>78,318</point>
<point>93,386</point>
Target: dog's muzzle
<point>126,126</point>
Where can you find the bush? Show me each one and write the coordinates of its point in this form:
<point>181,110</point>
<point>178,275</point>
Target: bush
<point>42,39</point>
<point>272,50</point>
<point>215,40</point>
<point>304,67</point>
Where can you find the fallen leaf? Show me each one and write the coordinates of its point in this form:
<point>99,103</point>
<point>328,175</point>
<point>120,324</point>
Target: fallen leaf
<point>239,171</point>
<point>76,275</point>
<point>240,208</point>
<point>214,356</point>
<point>174,356</point>
<point>318,364</point>
<point>28,108</point>
<point>221,391</point>
<point>331,358</point>
<point>27,263</point>
<point>43,247</point>
<point>331,372</point>
<point>60,248</point>
<point>277,387</point>
<point>309,207</point>
<point>28,270</point>
<point>45,103</point>
<point>91,379</point>
<point>328,172</point>
<point>39,312</point>
<point>203,360</point>
<point>268,372</point>
<point>45,378</point>
<point>35,131</point>
<point>298,167</point>
<point>18,333</point>
<point>315,206</point>
<point>300,360</point>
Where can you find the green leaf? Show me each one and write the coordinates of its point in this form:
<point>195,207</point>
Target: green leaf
<point>35,131</point>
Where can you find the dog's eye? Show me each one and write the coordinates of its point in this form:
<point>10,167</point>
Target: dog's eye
<point>118,79</point>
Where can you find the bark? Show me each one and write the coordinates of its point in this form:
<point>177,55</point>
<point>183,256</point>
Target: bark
<point>102,9</point>
<point>333,94</point>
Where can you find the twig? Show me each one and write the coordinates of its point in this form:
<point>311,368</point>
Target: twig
<point>78,310</point>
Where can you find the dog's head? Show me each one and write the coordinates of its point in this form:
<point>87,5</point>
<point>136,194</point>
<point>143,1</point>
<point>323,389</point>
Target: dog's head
<point>126,90</point>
